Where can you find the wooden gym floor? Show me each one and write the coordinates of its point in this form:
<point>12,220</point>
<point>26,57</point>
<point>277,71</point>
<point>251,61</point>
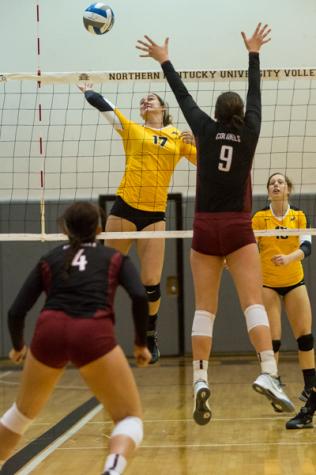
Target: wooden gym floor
<point>244,437</point>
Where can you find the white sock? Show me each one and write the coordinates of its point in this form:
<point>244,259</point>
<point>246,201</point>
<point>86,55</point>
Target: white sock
<point>115,464</point>
<point>268,362</point>
<point>200,368</point>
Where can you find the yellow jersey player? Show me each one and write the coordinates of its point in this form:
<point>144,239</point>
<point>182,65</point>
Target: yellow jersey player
<point>152,152</point>
<point>283,275</point>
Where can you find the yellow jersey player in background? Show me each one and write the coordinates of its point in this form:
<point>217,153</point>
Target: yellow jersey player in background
<point>152,152</point>
<point>283,274</point>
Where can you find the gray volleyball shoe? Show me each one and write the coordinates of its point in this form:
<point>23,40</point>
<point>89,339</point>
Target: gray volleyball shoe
<point>271,387</point>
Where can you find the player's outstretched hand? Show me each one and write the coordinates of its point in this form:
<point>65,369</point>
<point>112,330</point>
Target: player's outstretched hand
<point>152,50</point>
<point>85,86</point>
<point>18,356</point>
<point>142,356</point>
<point>259,38</point>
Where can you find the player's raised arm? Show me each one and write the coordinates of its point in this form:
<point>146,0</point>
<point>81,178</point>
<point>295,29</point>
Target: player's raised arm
<point>253,105</point>
<point>258,38</point>
<point>194,116</point>
<point>107,109</point>
<point>153,50</point>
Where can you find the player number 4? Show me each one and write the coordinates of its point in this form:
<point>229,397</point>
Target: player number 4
<point>225,157</point>
<point>80,260</point>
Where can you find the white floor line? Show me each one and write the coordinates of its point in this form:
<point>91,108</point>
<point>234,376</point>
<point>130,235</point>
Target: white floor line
<point>244,444</point>
<point>81,388</point>
<point>214,419</point>
<point>198,446</point>
<point>3,375</point>
<point>17,383</point>
<point>46,452</point>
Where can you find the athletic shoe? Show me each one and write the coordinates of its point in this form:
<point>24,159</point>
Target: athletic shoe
<point>201,411</point>
<point>305,394</point>
<point>281,382</point>
<point>302,420</point>
<point>152,344</point>
<point>270,387</point>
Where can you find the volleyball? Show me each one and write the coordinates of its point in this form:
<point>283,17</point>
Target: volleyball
<point>98,18</point>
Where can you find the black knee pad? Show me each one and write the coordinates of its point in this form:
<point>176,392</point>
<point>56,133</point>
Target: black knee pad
<point>276,345</point>
<point>305,342</point>
<point>153,292</point>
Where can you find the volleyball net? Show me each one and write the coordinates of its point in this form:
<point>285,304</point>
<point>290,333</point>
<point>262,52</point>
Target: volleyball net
<point>55,148</point>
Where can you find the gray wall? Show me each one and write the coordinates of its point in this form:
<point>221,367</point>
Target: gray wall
<point>17,258</point>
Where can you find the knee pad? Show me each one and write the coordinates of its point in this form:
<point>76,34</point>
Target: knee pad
<point>256,316</point>
<point>305,342</point>
<point>153,292</point>
<point>276,344</point>
<point>203,323</point>
<point>131,427</point>
<point>15,421</point>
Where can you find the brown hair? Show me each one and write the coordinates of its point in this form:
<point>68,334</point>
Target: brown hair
<point>80,222</point>
<point>167,118</point>
<point>286,178</point>
<point>229,110</point>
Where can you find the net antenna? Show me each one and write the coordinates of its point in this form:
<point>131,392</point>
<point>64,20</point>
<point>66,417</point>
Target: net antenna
<point>55,148</point>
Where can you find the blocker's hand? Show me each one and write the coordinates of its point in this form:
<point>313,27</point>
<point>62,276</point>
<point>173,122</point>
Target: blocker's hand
<point>152,50</point>
<point>259,38</point>
<point>83,87</point>
<point>142,356</point>
<point>18,356</point>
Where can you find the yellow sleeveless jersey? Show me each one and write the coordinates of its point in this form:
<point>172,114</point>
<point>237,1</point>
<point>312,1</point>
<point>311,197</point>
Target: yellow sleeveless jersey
<point>279,276</point>
<point>151,157</point>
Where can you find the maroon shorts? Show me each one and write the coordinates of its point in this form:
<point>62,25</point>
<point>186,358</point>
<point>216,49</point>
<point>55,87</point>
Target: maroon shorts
<point>59,338</point>
<point>220,234</point>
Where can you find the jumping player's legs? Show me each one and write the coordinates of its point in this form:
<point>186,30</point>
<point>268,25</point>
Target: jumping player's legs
<point>299,313</point>
<point>111,380</point>
<point>38,381</point>
<point>245,268</point>
<point>151,255</point>
<point>272,303</point>
<point>207,271</point>
<point>118,224</point>
<point>244,265</point>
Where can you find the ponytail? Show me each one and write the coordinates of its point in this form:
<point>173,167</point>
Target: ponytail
<point>80,222</point>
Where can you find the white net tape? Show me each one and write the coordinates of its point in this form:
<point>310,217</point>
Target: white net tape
<point>146,235</point>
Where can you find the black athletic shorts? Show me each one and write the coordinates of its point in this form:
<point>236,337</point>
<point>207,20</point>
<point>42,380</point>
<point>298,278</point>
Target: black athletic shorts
<point>285,290</point>
<point>140,218</point>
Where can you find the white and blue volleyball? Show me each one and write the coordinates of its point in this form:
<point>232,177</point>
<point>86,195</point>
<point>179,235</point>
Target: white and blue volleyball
<point>98,18</point>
